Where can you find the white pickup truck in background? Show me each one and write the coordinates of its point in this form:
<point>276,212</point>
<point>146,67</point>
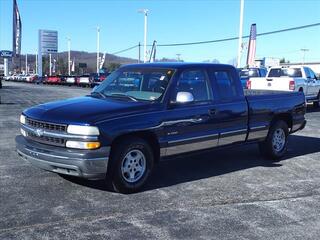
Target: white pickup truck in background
<point>293,79</point>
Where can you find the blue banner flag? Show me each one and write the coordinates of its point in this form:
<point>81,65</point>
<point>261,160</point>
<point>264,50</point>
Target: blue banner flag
<point>17,28</point>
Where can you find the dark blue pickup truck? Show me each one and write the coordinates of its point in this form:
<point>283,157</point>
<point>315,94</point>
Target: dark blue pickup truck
<point>144,113</point>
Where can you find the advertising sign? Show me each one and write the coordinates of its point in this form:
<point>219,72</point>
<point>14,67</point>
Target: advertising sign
<point>48,41</point>
<point>6,53</point>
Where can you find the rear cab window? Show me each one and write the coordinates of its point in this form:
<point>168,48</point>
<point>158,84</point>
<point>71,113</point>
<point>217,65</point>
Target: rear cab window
<point>285,72</point>
<point>251,72</point>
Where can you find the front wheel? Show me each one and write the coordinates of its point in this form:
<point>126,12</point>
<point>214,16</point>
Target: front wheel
<point>131,164</point>
<point>275,145</point>
<point>317,103</point>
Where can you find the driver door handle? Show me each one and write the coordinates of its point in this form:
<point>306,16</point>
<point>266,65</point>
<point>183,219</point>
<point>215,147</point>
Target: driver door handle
<point>213,112</point>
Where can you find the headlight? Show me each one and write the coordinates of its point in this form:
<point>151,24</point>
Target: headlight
<point>82,145</point>
<point>83,130</point>
<point>22,119</point>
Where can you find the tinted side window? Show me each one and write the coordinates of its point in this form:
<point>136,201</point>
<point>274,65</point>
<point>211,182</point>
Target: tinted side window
<point>195,82</point>
<point>292,72</point>
<point>226,85</point>
<point>306,70</point>
<point>312,74</point>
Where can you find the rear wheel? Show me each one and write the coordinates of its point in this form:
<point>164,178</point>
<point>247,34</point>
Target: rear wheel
<point>275,145</point>
<point>131,164</point>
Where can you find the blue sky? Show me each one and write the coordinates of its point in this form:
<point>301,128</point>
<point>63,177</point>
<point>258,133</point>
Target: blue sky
<point>169,22</point>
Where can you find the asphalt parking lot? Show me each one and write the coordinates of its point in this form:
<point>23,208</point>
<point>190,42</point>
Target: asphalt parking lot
<point>221,194</point>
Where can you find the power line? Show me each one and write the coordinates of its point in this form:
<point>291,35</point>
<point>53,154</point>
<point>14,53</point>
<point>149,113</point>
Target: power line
<point>235,38</point>
<point>124,50</point>
<point>223,39</point>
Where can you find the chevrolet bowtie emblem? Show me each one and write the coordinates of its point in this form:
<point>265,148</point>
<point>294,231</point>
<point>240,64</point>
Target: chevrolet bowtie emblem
<point>39,132</point>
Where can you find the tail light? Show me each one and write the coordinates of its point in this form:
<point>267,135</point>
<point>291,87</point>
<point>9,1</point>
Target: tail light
<point>248,84</point>
<point>291,85</point>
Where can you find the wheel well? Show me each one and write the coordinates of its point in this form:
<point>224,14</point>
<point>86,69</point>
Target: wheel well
<point>286,117</point>
<point>149,137</point>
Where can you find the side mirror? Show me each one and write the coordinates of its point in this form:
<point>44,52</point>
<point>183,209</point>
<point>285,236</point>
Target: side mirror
<point>184,97</point>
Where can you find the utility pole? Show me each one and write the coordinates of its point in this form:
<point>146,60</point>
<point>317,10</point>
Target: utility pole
<point>304,50</point>
<point>69,49</point>
<point>98,48</point>
<point>145,12</point>
<point>139,59</point>
<point>240,33</point>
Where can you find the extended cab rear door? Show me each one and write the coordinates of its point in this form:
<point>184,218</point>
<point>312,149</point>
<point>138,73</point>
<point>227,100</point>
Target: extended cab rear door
<point>231,110</point>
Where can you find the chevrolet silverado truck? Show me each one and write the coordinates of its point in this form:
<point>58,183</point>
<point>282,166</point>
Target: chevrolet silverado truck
<point>144,113</point>
<point>292,79</point>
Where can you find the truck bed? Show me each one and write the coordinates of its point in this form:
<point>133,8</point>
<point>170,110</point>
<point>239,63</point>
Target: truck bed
<point>264,104</point>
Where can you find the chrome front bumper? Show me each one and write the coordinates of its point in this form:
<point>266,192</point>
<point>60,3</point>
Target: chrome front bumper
<point>90,164</point>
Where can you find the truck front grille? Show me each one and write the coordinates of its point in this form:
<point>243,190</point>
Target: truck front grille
<point>46,126</point>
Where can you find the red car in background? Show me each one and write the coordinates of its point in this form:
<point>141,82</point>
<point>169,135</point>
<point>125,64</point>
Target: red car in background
<point>96,79</point>
<point>53,80</point>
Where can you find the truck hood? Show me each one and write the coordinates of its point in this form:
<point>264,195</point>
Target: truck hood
<point>86,110</point>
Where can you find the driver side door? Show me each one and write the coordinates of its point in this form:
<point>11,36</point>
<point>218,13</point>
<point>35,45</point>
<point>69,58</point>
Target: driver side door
<point>189,126</point>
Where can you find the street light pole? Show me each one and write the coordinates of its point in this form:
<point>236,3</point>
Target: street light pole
<point>69,49</point>
<point>178,56</point>
<point>26,64</point>
<point>145,12</point>
<point>36,61</point>
<point>98,48</point>
<point>304,50</point>
<point>240,33</point>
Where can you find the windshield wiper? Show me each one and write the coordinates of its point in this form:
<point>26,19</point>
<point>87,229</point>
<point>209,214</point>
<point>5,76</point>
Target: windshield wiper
<point>98,93</point>
<point>123,95</point>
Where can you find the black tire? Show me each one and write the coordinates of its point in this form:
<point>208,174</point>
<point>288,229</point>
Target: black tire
<point>316,104</point>
<point>268,149</point>
<point>118,159</point>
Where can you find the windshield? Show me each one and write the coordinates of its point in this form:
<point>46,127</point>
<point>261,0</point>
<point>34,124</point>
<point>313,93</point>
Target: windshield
<point>285,72</point>
<point>139,84</point>
<point>249,73</point>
